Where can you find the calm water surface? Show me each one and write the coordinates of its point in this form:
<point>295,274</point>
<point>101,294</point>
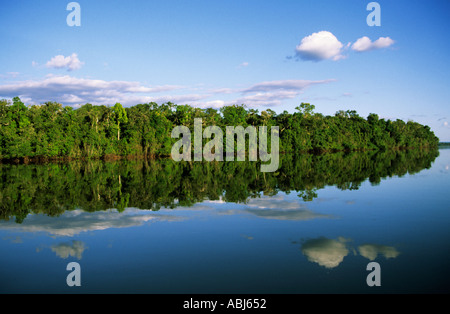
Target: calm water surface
<point>166,227</point>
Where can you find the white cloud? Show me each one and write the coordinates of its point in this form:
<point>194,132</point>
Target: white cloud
<point>222,91</point>
<point>293,85</point>
<point>212,104</point>
<point>324,45</point>
<point>272,93</point>
<point>266,99</point>
<point>268,93</point>
<point>70,98</point>
<point>71,90</point>
<point>319,46</point>
<point>365,44</point>
<point>60,62</point>
<point>176,99</point>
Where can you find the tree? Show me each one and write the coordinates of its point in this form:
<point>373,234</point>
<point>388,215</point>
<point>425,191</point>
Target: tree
<point>51,130</point>
<point>306,108</point>
<point>121,117</point>
<point>234,115</point>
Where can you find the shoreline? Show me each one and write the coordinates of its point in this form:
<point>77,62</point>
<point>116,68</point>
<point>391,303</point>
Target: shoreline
<point>40,160</point>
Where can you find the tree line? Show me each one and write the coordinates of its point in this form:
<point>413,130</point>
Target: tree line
<point>51,130</point>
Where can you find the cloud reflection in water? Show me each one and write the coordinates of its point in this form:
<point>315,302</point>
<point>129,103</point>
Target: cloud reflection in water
<point>329,253</point>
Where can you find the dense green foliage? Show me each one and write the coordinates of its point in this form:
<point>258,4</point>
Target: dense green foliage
<point>51,130</point>
<point>53,188</point>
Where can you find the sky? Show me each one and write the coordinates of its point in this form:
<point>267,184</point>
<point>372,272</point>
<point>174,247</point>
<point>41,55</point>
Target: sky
<point>211,53</point>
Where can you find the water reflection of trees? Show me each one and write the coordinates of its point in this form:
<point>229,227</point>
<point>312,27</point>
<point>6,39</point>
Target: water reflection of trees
<point>54,188</point>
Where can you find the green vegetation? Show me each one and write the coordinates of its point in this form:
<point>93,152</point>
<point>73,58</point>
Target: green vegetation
<point>51,131</point>
<point>52,188</point>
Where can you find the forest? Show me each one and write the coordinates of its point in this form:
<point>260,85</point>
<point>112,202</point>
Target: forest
<point>53,131</point>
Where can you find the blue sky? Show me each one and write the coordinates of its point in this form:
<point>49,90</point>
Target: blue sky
<point>266,54</point>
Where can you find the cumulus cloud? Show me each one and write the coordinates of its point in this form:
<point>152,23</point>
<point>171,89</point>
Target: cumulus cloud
<point>365,44</point>
<point>319,46</point>
<point>324,45</point>
<point>60,62</point>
